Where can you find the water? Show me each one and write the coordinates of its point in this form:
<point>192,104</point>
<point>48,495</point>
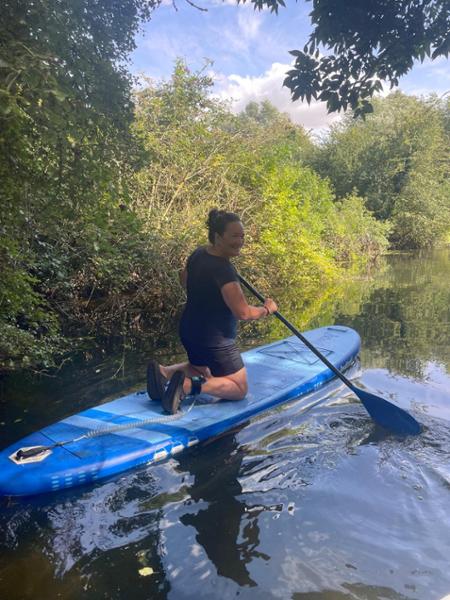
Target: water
<point>308,505</point>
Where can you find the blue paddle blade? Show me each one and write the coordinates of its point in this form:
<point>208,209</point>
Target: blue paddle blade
<point>388,415</point>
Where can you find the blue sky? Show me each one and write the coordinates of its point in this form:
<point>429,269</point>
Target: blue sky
<point>249,51</point>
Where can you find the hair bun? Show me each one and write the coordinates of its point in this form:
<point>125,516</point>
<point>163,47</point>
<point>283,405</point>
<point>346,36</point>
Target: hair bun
<point>213,215</point>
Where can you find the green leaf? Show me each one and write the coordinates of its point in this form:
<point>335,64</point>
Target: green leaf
<point>59,95</point>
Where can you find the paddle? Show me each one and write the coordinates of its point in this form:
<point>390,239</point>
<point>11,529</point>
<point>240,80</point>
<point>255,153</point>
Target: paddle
<point>382,412</point>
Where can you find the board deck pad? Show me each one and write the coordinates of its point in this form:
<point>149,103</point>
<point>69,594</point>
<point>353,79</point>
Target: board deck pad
<point>277,372</point>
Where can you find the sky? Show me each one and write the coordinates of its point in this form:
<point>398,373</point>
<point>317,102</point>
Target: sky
<point>249,51</point>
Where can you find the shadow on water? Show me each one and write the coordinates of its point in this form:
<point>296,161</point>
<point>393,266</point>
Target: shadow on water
<point>314,504</point>
<point>216,486</point>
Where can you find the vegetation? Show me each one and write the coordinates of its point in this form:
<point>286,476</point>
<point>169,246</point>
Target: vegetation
<point>105,191</point>
<point>253,163</point>
<point>65,143</point>
<point>397,159</point>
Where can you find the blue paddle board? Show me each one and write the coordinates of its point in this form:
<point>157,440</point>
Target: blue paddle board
<point>119,435</point>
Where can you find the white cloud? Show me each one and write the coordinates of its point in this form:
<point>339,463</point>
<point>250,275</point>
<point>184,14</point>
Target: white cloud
<point>241,35</point>
<point>269,86</point>
<point>249,24</point>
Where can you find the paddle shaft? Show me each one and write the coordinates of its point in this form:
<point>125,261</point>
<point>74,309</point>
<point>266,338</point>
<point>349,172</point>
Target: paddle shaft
<point>296,332</point>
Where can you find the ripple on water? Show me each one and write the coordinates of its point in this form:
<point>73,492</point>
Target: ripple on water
<point>294,504</point>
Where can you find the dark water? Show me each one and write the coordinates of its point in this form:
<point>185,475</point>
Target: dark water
<point>315,505</point>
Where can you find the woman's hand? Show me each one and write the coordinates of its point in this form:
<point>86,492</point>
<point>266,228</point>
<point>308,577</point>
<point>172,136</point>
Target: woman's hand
<point>270,306</point>
<point>235,300</point>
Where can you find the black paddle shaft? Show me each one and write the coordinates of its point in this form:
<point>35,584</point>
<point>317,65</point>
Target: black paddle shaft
<point>382,412</point>
<point>296,332</point>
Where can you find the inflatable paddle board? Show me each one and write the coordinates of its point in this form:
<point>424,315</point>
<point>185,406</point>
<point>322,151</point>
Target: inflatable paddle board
<point>130,431</point>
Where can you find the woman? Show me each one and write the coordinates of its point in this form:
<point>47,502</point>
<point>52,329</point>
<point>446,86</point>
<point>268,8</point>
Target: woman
<point>215,302</point>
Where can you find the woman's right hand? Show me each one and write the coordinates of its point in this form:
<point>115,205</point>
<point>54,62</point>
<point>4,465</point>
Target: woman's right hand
<point>270,305</point>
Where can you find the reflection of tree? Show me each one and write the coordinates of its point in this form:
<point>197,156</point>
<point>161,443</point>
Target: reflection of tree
<point>402,312</point>
<point>405,321</point>
<point>218,525</point>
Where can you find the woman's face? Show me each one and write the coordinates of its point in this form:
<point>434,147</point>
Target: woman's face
<point>232,240</point>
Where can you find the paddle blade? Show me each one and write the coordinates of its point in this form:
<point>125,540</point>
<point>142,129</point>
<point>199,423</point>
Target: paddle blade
<point>388,415</point>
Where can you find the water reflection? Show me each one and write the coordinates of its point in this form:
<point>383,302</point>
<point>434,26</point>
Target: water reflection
<point>72,542</point>
<point>236,543</point>
<point>402,313</point>
<point>405,322</point>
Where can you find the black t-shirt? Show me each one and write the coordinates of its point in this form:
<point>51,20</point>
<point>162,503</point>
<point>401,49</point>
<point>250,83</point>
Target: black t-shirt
<point>206,319</point>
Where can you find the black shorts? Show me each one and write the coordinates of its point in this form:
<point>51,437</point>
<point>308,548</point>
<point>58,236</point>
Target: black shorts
<point>221,360</point>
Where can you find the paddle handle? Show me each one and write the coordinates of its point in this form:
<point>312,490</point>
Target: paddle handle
<point>296,332</point>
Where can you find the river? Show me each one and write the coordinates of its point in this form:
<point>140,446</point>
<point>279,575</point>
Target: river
<point>308,505</point>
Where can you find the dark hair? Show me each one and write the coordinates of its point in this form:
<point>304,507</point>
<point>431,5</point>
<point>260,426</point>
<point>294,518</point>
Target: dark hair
<point>218,220</point>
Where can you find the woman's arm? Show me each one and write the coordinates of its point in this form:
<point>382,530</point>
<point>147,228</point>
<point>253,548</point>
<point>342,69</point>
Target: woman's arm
<point>235,300</point>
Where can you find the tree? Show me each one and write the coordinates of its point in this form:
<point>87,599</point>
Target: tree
<point>397,159</point>
<point>65,143</point>
<point>201,155</point>
<point>365,43</point>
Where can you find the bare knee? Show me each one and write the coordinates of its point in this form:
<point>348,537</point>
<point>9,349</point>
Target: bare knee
<point>241,392</point>
<point>241,386</point>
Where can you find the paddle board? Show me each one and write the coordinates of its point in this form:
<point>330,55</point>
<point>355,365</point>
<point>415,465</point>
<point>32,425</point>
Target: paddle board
<point>121,434</point>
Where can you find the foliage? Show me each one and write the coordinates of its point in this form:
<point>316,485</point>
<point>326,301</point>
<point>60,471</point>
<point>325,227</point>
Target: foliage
<point>353,233</point>
<point>278,140</point>
<point>305,238</point>
<point>398,160</point>
<point>253,163</point>
<point>421,214</point>
<point>189,152</point>
<point>365,44</point>
<point>65,147</point>
<point>93,249</point>
<point>292,219</point>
